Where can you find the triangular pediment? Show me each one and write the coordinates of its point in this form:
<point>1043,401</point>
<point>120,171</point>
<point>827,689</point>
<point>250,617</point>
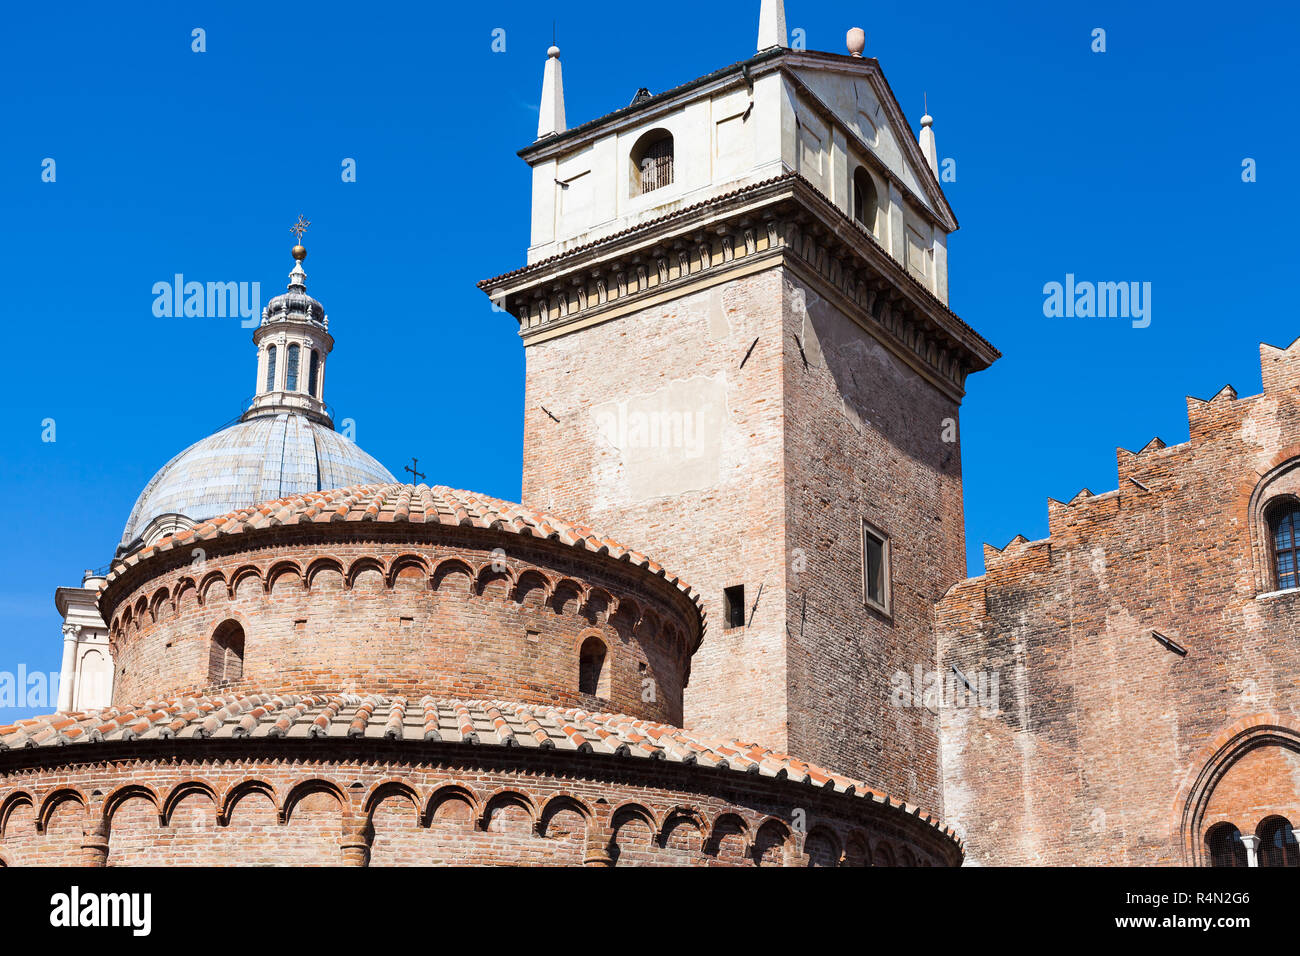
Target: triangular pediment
<point>855,91</point>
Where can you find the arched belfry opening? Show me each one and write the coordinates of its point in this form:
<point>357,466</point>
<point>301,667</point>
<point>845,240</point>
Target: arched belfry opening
<point>652,162</point>
<point>866,200</point>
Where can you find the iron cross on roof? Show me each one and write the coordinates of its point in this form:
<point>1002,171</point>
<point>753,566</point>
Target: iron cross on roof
<point>413,469</point>
<point>299,227</point>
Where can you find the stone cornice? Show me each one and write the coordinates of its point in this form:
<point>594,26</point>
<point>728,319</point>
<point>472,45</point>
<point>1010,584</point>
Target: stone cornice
<point>781,221</point>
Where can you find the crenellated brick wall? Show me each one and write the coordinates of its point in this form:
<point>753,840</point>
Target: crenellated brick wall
<point>1107,745</point>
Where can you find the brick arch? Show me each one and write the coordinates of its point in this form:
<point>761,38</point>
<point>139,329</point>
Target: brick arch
<point>386,789</point>
<point>597,605</point>
<point>281,568</point>
<point>131,791</point>
<point>508,797</point>
<point>447,568</point>
<point>306,788</point>
<point>241,573</point>
<point>206,582</point>
<point>1212,763</point>
<point>360,566</point>
<point>447,792</point>
<point>630,813</point>
<point>526,582</point>
<point>727,824</point>
<point>563,803</point>
<point>883,854</point>
<point>567,589</point>
<point>246,788</point>
<point>678,818</point>
<point>771,843</point>
<point>822,847</point>
<point>56,798</point>
<point>404,562</point>
<point>488,575</point>
<point>159,597</point>
<point>317,565</point>
<point>857,851</point>
<point>10,803</point>
<point>187,788</point>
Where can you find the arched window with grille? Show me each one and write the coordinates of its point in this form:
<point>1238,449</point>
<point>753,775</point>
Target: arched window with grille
<point>1284,538</point>
<point>1225,846</point>
<point>865,199</point>
<point>1277,843</point>
<point>652,162</point>
<point>226,654</point>
<point>291,370</point>
<point>313,373</point>
<point>270,368</point>
<point>592,672</point>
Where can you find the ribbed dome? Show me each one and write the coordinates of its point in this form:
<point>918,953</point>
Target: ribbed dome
<point>262,459</point>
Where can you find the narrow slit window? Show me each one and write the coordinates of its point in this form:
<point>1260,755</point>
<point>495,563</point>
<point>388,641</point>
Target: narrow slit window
<point>875,567</point>
<point>270,369</point>
<point>291,370</point>
<point>313,373</point>
<point>591,668</point>
<point>733,601</point>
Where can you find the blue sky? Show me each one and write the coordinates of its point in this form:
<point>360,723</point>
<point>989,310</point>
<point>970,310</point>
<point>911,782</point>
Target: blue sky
<point>1116,166</point>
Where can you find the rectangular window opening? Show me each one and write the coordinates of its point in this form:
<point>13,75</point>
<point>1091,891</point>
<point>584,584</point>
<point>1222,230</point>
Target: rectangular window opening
<point>733,600</point>
<point>875,567</point>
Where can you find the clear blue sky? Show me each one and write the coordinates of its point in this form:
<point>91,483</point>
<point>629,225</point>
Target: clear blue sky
<point>1117,166</point>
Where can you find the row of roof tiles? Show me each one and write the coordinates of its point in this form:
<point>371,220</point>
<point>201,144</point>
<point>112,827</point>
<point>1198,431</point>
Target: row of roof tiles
<point>416,504</point>
<point>258,716</point>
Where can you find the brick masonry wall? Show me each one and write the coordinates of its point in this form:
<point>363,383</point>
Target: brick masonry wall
<point>720,526</point>
<point>801,456</point>
<point>417,610</point>
<point>864,440</point>
<point>222,804</point>
<point>1105,746</point>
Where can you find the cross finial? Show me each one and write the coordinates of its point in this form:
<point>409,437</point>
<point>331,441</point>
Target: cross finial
<point>299,227</point>
<point>413,468</point>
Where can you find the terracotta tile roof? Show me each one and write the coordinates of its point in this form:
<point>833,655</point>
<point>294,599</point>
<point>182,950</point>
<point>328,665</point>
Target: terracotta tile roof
<point>416,504</point>
<point>258,716</point>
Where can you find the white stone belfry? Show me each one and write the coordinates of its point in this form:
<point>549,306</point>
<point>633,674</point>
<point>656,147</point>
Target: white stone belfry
<point>771,25</point>
<point>551,119</point>
<point>928,149</point>
<point>86,674</point>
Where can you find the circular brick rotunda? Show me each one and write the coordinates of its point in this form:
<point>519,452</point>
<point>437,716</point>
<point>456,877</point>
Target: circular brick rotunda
<point>397,674</point>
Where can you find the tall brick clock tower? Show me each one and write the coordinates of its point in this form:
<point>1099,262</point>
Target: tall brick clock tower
<point>740,359</point>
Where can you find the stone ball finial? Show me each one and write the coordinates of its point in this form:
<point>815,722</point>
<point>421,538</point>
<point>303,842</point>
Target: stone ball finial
<point>553,52</point>
<point>856,40</point>
<point>927,120</point>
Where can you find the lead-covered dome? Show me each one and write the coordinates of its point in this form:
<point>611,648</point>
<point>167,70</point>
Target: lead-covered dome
<point>262,459</point>
<point>284,443</point>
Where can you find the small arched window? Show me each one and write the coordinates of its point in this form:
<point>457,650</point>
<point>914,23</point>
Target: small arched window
<point>1225,846</point>
<point>592,678</point>
<point>865,201</point>
<point>1277,843</point>
<point>270,368</point>
<point>1283,525</point>
<point>652,162</point>
<point>226,655</point>
<point>313,373</point>
<point>291,370</point>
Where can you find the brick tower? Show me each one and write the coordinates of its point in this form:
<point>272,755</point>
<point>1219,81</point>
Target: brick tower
<point>740,358</point>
